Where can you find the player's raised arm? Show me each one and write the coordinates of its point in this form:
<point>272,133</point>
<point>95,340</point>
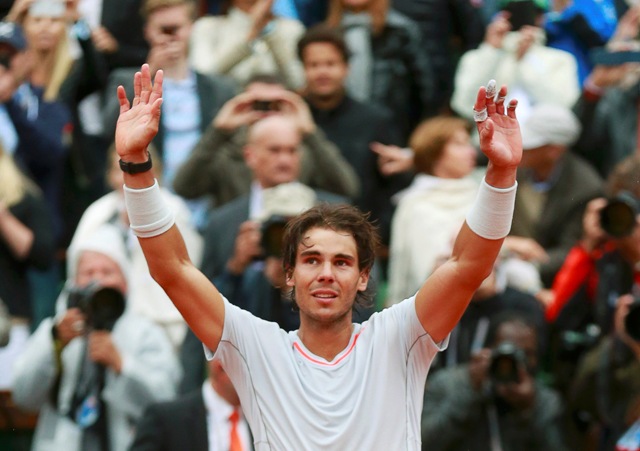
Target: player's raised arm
<point>195,297</point>
<point>445,295</point>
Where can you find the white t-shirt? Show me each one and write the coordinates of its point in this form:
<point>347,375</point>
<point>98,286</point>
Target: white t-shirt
<point>368,398</point>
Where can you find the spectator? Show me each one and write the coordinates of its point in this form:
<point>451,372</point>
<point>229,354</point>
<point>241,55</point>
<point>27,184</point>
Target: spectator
<point>26,240</point>
<point>605,394</point>
<point>432,209</point>
<point>448,30</point>
<point>579,27</point>
<point>555,186</point>
<point>90,375</point>
<point>191,99</point>
<point>353,126</point>
<point>389,65</point>
<point>145,298</point>
<point>599,268</point>
<point>207,419</point>
<point>493,403</point>
<point>217,166</point>
<point>40,119</point>
<point>608,107</point>
<point>105,35</point>
<point>248,39</point>
<point>519,58</point>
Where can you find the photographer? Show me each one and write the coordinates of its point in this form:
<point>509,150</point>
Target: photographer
<point>605,393</point>
<point>494,402</point>
<point>603,265</point>
<point>92,369</point>
<point>216,166</point>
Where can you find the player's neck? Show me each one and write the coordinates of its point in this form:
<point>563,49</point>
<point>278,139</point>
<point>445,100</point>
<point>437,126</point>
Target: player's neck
<point>326,341</point>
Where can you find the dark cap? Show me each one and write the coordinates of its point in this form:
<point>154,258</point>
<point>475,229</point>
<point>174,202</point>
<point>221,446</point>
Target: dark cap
<point>11,34</point>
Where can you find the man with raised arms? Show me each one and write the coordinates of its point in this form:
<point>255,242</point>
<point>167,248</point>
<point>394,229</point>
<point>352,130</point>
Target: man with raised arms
<point>332,384</point>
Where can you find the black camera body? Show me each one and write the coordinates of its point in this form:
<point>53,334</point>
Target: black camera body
<point>266,105</point>
<point>169,30</point>
<point>272,235</point>
<point>618,217</point>
<point>632,320</point>
<point>101,306</point>
<point>506,360</point>
<point>521,13</point>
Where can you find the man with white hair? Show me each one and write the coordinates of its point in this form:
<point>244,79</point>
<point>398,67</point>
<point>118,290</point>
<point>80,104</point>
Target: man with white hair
<point>88,371</point>
<point>555,186</point>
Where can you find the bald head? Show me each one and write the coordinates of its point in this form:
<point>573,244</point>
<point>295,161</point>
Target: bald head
<point>274,124</point>
<point>272,150</point>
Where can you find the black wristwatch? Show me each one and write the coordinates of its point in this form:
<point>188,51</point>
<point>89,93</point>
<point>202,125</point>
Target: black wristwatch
<point>136,168</point>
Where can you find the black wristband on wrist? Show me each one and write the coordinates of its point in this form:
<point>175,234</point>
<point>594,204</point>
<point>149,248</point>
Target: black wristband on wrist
<point>136,168</point>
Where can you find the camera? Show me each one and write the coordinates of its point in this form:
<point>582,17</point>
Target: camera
<point>265,105</point>
<point>506,360</point>
<point>272,236</point>
<point>521,13</point>
<point>632,320</point>
<point>169,30</point>
<point>101,306</point>
<point>618,217</point>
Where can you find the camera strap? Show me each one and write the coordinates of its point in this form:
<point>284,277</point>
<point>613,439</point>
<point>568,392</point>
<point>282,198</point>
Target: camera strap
<point>603,382</point>
<point>494,427</point>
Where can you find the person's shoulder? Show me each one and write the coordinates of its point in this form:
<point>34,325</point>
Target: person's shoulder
<point>369,109</point>
<point>400,22</point>
<point>135,328</point>
<point>209,24</point>
<point>290,24</point>
<point>584,170</point>
<point>330,198</point>
<point>232,208</point>
<point>218,82</point>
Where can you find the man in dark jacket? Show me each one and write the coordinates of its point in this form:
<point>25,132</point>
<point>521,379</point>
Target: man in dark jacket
<point>494,402</point>
<point>201,420</point>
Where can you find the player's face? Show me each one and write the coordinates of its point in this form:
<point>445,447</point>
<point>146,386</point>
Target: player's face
<point>326,278</point>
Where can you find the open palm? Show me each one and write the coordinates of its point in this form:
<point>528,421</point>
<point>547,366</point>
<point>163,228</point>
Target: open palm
<point>139,121</point>
<point>500,138</point>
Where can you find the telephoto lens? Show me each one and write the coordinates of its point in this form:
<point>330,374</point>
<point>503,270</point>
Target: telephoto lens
<point>618,217</point>
<point>632,320</point>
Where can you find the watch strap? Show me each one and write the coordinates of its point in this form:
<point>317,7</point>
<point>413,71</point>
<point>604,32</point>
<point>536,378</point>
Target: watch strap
<point>136,168</point>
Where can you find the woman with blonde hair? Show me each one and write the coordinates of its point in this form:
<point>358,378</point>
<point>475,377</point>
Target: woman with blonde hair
<point>43,122</point>
<point>26,240</point>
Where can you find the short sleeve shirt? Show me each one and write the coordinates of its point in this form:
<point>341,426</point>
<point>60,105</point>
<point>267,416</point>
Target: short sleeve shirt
<point>368,397</point>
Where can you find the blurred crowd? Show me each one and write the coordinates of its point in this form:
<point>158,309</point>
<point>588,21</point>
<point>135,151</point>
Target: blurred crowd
<point>270,107</point>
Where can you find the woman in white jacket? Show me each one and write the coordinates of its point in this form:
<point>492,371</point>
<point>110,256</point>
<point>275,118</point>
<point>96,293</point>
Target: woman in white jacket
<point>534,72</point>
<point>432,209</point>
<point>56,374</point>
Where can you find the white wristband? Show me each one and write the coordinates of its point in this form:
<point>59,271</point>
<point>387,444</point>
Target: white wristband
<point>492,212</point>
<point>148,213</point>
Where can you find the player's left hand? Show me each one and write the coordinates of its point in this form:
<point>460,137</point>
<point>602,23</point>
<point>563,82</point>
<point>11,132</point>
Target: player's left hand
<point>498,127</point>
